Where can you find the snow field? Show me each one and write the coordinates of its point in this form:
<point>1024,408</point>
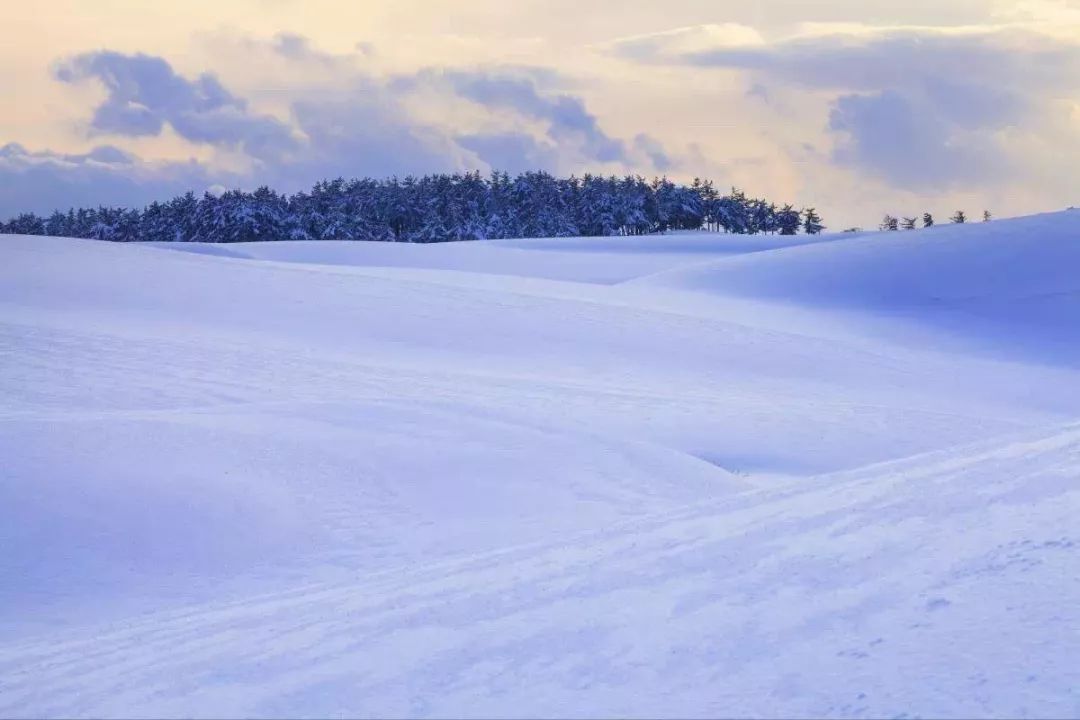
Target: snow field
<point>687,475</point>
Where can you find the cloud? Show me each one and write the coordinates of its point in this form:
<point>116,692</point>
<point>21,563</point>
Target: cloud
<point>512,152</point>
<point>668,44</point>
<point>44,181</point>
<point>860,58</point>
<point>144,93</point>
<point>293,46</point>
<point>360,124</point>
<point>654,150</point>
<point>364,133</point>
<point>297,48</point>
<point>102,155</point>
<point>914,106</point>
<point>904,141</point>
<point>568,122</point>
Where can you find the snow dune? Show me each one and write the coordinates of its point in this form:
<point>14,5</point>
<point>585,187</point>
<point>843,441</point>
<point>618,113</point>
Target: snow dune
<point>691,475</point>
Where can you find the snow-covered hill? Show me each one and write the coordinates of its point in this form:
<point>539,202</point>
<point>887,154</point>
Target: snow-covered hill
<point>684,475</point>
<point>1009,287</point>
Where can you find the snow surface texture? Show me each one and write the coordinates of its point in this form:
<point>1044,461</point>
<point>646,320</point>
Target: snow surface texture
<point>690,475</point>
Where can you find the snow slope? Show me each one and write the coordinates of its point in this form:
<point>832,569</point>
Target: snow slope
<point>944,585</point>
<point>1009,285</point>
<point>667,476</point>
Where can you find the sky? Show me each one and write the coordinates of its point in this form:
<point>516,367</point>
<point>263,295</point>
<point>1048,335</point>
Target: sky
<point>856,107</point>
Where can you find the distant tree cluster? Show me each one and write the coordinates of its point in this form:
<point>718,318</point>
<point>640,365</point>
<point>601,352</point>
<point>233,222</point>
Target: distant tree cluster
<point>433,208</point>
<point>891,223</point>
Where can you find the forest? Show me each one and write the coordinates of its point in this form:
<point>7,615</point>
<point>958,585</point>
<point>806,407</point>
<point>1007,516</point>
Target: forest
<point>433,208</point>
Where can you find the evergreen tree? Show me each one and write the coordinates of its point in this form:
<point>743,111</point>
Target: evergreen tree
<point>909,223</point>
<point>890,223</point>
<point>986,216</point>
<point>182,216</point>
<point>733,212</point>
<point>927,220</point>
<point>57,225</point>
<point>959,218</point>
<point>788,220</point>
<point>812,222</point>
<point>153,224</point>
<point>25,224</point>
<point>762,216</point>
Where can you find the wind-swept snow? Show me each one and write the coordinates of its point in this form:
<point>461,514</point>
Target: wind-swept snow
<point>685,475</point>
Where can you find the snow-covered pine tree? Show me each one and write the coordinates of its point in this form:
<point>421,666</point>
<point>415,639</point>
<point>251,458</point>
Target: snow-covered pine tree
<point>812,222</point>
<point>56,225</point>
<point>25,224</point>
<point>788,220</point>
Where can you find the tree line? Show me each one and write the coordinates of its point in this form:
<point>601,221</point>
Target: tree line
<point>909,223</point>
<point>433,208</point>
